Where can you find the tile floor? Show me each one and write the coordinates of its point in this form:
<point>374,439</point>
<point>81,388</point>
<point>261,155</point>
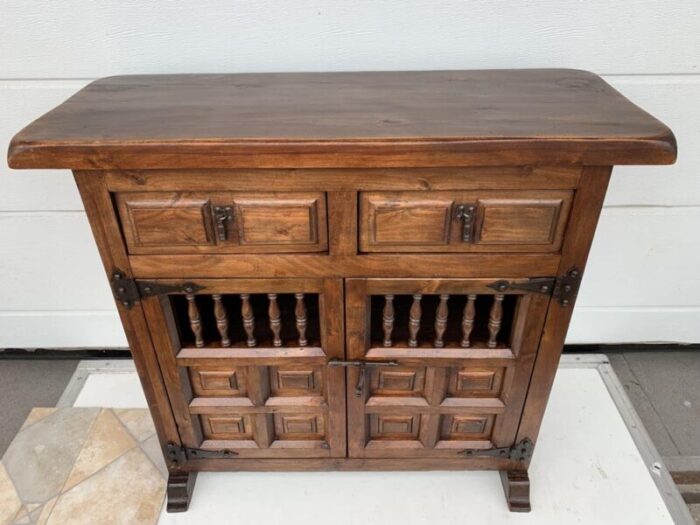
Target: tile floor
<point>83,466</point>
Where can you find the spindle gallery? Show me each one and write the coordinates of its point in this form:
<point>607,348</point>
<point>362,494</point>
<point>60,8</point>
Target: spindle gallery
<point>337,271</point>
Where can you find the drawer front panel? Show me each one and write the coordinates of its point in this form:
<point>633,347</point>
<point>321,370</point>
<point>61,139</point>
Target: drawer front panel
<point>223,222</point>
<point>445,221</point>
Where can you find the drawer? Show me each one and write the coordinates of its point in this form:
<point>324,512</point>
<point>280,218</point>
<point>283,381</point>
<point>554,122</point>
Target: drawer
<point>463,221</point>
<point>223,222</point>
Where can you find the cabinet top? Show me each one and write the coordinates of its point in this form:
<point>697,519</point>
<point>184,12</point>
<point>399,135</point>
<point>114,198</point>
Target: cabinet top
<point>378,119</point>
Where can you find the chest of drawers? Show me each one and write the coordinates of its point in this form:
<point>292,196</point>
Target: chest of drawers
<point>345,270</point>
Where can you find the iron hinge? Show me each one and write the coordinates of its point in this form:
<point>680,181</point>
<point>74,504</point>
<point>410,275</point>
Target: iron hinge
<point>521,451</point>
<point>543,285</point>
<point>128,291</point>
<point>566,287</point>
<point>178,455</point>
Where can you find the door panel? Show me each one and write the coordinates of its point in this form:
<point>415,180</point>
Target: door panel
<point>451,360</point>
<point>245,365</point>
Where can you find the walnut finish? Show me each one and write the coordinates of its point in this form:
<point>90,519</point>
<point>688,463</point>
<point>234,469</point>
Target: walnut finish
<point>345,270</point>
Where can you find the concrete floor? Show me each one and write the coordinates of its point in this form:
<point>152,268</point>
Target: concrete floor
<point>25,384</point>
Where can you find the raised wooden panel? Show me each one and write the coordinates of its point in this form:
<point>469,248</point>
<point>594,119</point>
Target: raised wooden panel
<point>235,427</point>
<point>223,222</point>
<point>387,217</point>
<point>152,220</point>
<point>299,426</point>
<point>281,219</point>
<point>218,382</point>
<point>512,221</point>
<point>474,382</point>
<point>296,380</point>
<point>431,221</point>
<point>397,381</point>
<point>466,427</point>
<point>395,426</point>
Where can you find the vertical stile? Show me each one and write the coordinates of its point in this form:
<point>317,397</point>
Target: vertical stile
<point>248,319</point>
<point>388,318</point>
<point>221,320</point>
<point>468,320</point>
<point>195,320</point>
<point>495,317</point>
<point>275,322</point>
<point>300,315</point>
<point>441,321</point>
<point>414,320</point>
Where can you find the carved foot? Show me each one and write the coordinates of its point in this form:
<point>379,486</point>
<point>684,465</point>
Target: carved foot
<point>516,485</point>
<point>180,488</point>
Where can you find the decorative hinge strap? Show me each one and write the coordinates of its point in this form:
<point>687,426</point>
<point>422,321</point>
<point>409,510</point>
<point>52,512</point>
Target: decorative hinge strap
<point>178,455</point>
<point>566,287</point>
<point>543,285</point>
<point>521,451</point>
<point>128,291</point>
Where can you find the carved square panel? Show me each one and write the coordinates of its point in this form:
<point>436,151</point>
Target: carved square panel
<point>397,381</point>
<point>398,426</point>
<point>296,381</point>
<point>475,382</point>
<point>225,426</point>
<point>467,427</point>
<point>218,382</point>
<point>299,426</point>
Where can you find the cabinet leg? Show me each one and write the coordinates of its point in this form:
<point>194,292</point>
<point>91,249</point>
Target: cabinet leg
<point>180,488</point>
<point>516,485</point>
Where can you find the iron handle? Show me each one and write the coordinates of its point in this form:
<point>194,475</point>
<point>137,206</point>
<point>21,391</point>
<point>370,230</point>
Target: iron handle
<point>466,213</point>
<point>363,366</point>
<point>223,215</point>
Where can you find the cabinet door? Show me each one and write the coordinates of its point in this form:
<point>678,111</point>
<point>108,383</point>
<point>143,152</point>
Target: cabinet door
<point>449,364</point>
<point>244,363</point>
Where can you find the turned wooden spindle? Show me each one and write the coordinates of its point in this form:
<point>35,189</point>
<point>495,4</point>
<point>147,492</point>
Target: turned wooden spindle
<point>248,319</point>
<point>300,314</point>
<point>388,318</point>
<point>495,317</point>
<point>221,320</point>
<point>275,323</point>
<point>441,321</point>
<point>468,320</point>
<point>195,320</point>
<point>414,321</point>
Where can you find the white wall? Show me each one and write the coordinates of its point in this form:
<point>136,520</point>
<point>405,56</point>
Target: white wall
<point>643,281</point>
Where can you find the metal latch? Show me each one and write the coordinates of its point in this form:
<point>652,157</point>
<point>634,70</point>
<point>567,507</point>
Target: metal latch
<point>223,215</point>
<point>363,366</point>
<point>465,213</point>
<point>521,451</point>
<point>178,455</point>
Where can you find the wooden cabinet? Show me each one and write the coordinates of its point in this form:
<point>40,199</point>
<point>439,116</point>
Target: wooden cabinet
<point>349,270</point>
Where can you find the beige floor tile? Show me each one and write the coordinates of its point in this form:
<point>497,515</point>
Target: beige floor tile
<point>107,440</point>
<point>46,511</point>
<point>152,449</point>
<point>41,456</point>
<point>128,491</point>
<point>9,499</point>
<point>36,414</point>
<point>138,421</point>
<point>22,517</point>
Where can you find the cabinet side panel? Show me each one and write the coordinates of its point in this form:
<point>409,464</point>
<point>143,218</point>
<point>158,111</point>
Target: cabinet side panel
<point>105,228</point>
<point>588,203</point>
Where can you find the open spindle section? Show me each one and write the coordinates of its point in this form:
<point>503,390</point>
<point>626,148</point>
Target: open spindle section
<point>442,320</point>
<point>257,320</point>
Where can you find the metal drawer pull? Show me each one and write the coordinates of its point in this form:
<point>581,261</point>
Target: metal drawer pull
<point>465,213</point>
<point>223,215</point>
<point>363,366</point>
